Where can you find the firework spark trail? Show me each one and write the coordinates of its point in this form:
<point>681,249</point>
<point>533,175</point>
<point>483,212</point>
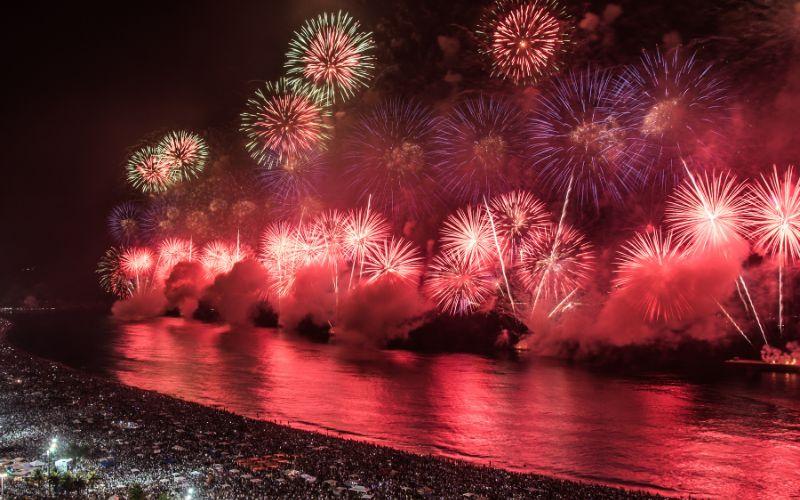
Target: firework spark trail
<point>563,301</point>
<point>738,329</point>
<point>363,231</point>
<point>499,254</point>
<point>753,308</point>
<point>741,296</point>
<point>556,240</point>
<point>780,298</point>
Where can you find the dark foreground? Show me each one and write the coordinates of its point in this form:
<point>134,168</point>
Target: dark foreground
<point>170,447</point>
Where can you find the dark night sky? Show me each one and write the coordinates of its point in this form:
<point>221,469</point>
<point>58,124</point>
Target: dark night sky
<point>86,83</point>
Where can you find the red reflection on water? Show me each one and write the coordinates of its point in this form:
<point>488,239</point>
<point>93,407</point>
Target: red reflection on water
<point>727,440</point>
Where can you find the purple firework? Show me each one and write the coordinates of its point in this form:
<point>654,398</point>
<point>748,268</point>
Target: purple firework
<point>295,180</point>
<point>678,105</point>
<point>125,223</point>
<point>578,137</point>
<point>390,157</point>
<point>479,148</point>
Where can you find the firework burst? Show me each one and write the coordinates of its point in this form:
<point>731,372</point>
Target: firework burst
<point>577,133</point>
<point>364,230</point>
<point>708,211</point>
<point>186,152</point>
<point>293,181</point>
<point>160,219</point>
<point>479,147</point>
<point>396,259</point>
<point>645,267</point>
<point>516,215</point>
<point>775,222</point>
<point>331,53</point>
<point>775,214</point>
<point>554,262</point>
<point>283,123</point>
<point>678,105</point>
<point>172,251</point>
<point>328,233</point>
<point>390,157</point>
<point>136,263</point>
<point>125,222</point>
<point>219,257</point>
<point>279,255</point>
<point>458,286</point>
<point>149,171</point>
<point>111,276</point>
<point>468,234</point>
<point>523,38</point>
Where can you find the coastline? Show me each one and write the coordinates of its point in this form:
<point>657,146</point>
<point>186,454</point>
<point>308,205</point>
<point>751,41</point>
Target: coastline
<point>169,446</point>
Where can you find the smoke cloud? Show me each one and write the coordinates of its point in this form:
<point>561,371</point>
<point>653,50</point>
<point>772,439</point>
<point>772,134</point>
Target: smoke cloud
<point>377,312</point>
<point>184,287</point>
<point>702,282</point>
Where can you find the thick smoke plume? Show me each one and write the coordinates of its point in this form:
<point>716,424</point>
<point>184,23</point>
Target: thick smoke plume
<point>704,282</point>
<point>184,287</point>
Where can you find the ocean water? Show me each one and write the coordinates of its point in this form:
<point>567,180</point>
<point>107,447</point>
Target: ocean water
<point>733,435</point>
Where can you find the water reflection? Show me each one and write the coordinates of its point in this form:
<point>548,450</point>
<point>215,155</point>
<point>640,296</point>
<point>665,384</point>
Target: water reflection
<point>735,437</point>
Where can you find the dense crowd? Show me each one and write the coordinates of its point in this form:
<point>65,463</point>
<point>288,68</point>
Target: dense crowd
<point>133,438</point>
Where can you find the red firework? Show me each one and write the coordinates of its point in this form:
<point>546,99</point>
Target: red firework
<point>524,38</point>
<point>332,54</point>
<point>515,215</point>
<point>148,170</point>
<point>283,124</point>
<point>467,234</point>
<point>171,251</point>
<point>280,253</point>
<point>775,214</point>
<point>136,261</point>
<point>328,234</point>
<point>646,268</point>
<point>708,211</point>
<point>364,230</point>
<point>459,286</point>
<point>554,262</point>
<point>395,258</point>
<point>219,257</point>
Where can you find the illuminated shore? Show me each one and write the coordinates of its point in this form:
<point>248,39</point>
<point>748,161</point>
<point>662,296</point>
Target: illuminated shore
<point>134,437</point>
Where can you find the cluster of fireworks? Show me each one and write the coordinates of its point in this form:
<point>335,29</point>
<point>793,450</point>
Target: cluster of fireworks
<point>517,178</point>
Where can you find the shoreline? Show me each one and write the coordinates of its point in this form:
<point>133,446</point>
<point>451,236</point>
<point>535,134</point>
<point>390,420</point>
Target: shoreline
<point>167,445</point>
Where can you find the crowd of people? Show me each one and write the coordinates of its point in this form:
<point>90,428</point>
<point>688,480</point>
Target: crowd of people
<point>136,443</point>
